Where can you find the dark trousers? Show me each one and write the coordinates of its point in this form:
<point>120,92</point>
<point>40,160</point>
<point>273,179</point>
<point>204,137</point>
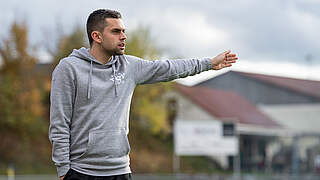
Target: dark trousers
<point>74,175</point>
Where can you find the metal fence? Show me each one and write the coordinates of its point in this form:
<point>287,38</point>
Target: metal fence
<point>181,177</point>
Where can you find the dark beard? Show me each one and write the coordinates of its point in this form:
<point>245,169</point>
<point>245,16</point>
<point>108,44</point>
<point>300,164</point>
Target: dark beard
<point>114,52</point>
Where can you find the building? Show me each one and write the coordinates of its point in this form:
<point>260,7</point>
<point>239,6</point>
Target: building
<point>277,118</point>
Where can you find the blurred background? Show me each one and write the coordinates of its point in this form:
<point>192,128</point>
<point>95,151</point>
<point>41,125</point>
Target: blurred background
<point>256,120</point>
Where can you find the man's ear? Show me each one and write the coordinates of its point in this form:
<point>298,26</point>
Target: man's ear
<point>96,36</point>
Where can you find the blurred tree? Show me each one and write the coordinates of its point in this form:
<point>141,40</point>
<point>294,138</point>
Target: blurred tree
<point>148,107</point>
<point>141,44</point>
<point>21,112</point>
<point>66,43</point>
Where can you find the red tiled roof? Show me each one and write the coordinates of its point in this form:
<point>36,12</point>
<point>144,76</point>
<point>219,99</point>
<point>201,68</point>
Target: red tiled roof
<point>308,87</point>
<point>226,104</point>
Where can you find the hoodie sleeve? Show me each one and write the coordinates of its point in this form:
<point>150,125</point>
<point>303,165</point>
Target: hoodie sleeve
<point>61,99</point>
<point>166,70</point>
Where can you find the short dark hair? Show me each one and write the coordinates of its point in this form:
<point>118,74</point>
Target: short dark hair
<point>96,20</point>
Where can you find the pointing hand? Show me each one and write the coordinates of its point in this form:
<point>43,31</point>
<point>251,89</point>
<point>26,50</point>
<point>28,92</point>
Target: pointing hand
<point>223,60</point>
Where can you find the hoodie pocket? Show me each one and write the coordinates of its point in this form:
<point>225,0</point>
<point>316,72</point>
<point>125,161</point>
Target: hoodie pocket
<point>107,143</point>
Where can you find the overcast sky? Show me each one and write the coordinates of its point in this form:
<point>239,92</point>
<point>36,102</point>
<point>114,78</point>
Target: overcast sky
<point>259,31</point>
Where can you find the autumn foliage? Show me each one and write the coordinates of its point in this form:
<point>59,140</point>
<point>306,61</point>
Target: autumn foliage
<point>22,113</point>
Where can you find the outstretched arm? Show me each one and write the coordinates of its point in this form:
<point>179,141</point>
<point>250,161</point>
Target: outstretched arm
<point>146,72</point>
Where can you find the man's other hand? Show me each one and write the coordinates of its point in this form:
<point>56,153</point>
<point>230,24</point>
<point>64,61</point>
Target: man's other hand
<point>223,60</point>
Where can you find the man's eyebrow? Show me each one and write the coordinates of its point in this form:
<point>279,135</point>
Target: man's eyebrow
<point>118,29</point>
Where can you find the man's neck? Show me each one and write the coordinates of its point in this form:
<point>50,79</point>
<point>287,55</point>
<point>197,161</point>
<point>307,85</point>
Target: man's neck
<point>98,53</point>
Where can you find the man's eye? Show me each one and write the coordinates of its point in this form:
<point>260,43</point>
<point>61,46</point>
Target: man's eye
<point>116,31</point>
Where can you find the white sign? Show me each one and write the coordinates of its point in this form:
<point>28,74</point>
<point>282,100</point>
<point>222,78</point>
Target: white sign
<point>203,138</point>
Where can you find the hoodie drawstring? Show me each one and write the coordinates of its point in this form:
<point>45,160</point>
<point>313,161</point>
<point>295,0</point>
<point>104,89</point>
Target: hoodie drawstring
<point>90,81</point>
<point>114,80</point>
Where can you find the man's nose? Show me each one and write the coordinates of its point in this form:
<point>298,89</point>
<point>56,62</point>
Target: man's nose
<point>123,36</point>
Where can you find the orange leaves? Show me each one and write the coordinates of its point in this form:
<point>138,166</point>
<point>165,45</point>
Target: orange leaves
<point>20,91</point>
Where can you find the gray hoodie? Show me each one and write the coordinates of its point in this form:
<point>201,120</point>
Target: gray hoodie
<point>90,104</point>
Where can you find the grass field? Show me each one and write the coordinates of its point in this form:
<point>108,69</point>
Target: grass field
<point>182,177</point>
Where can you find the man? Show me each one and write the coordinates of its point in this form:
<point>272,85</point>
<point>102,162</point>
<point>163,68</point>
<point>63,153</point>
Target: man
<point>91,94</point>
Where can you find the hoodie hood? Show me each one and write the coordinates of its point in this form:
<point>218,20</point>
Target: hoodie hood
<point>84,54</point>
<point>117,63</point>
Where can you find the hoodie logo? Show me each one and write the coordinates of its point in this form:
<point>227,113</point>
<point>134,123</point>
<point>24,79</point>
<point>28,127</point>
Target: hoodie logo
<point>119,77</point>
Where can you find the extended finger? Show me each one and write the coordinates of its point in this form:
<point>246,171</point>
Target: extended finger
<point>231,58</point>
<point>229,62</point>
<point>227,53</point>
<point>227,65</point>
<point>231,55</point>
